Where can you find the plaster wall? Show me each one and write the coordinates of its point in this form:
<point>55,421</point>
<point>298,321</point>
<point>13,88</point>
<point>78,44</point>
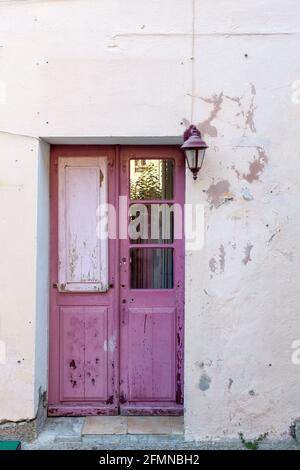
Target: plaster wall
<point>98,69</point>
<point>18,192</point>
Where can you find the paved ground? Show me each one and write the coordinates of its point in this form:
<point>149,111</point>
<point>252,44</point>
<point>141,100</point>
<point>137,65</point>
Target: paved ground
<point>79,433</point>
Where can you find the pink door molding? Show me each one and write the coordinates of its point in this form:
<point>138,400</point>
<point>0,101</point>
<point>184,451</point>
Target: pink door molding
<point>116,334</point>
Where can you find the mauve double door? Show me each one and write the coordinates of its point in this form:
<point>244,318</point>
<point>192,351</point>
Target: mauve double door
<point>116,316</point>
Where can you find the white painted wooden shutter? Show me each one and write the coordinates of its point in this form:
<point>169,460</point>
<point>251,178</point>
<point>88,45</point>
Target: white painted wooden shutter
<point>83,256</point>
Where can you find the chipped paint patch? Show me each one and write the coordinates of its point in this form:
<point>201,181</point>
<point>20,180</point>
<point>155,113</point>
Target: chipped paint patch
<point>222,256</point>
<point>73,259</point>
<point>249,118</point>
<point>216,193</point>
<point>247,196</point>
<point>202,364</point>
<point>256,167</point>
<point>213,265</point>
<point>245,110</point>
<point>206,126</point>
<point>110,345</point>
<point>247,251</point>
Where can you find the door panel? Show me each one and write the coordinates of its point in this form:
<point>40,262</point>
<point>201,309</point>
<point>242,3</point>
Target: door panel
<point>96,354</point>
<point>151,354</point>
<point>72,343</point>
<point>83,362</point>
<point>82,186</point>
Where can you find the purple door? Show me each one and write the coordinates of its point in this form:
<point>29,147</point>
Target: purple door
<point>116,316</point>
<point>84,318</point>
<point>152,282</point>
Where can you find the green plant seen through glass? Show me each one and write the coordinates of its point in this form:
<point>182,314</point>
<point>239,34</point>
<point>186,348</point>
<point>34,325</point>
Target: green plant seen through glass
<point>148,185</point>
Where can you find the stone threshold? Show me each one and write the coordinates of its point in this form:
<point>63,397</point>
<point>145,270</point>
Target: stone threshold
<point>136,425</point>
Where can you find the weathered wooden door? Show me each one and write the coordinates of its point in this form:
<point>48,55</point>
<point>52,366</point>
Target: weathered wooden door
<point>152,270</point>
<point>83,372</point>
<point>116,316</point>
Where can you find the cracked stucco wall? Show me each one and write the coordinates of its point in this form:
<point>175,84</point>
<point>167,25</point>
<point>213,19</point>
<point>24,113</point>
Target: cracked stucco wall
<point>23,272</point>
<point>148,68</point>
<point>242,296</point>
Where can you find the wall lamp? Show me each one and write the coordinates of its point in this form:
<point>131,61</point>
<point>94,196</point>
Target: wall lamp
<point>194,148</point>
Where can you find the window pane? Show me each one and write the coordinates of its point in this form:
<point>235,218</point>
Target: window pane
<point>151,179</point>
<point>151,268</point>
<point>151,223</point>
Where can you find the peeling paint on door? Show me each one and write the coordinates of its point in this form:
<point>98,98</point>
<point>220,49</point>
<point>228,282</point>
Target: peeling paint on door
<point>83,316</point>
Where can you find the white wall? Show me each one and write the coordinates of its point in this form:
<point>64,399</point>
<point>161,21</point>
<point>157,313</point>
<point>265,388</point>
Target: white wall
<point>91,68</point>
<point>17,274</point>
<point>24,195</point>
<point>242,297</point>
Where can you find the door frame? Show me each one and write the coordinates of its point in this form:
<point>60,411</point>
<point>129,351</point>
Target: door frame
<point>114,168</point>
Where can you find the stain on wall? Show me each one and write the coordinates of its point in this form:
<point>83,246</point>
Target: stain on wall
<point>213,265</point>
<point>256,167</point>
<point>249,117</point>
<point>206,126</point>
<point>222,258</point>
<point>247,250</point>
<point>243,114</point>
<point>247,196</point>
<point>204,382</point>
<point>215,193</point>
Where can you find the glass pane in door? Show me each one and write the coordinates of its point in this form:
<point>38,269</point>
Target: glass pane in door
<point>151,179</point>
<point>151,223</point>
<point>151,268</point>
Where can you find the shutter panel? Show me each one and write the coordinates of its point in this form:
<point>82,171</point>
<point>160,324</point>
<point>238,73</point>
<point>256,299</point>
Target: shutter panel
<point>83,257</point>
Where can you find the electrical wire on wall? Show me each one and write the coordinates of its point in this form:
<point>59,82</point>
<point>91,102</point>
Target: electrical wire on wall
<point>193,60</point>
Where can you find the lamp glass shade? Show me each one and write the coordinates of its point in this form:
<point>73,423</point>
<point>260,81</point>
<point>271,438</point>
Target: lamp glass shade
<point>201,153</point>
<point>191,158</point>
<point>194,158</point>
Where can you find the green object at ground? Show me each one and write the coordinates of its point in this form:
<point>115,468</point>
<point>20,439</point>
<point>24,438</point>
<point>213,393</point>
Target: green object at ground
<point>10,445</point>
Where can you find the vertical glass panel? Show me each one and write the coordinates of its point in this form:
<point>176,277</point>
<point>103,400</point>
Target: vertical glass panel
<point>151,223</point>
<point>151,179</point>
<point>151,268</point>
